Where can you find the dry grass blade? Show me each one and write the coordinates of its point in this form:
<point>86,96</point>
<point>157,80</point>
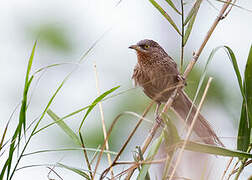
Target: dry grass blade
<point>103,121</point>
<point>190,129</point>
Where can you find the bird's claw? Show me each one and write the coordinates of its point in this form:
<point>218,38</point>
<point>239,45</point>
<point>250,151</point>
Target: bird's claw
<point>181,78</point>
<point>159,120</point>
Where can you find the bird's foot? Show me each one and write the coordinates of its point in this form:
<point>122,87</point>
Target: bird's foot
<point>181,78</point>
<point>159,120</point>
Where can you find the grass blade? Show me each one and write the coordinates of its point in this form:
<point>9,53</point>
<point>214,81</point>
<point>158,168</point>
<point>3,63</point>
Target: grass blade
<point>173,6</point>
<point>210,149</point>
<point>3,136</point>
<point>64,127</point>
<point>76,170</point>
<point>22,116</point>
<point>189,27</point>
<point>193,11</point>
<point>243,138</point>
<point>167,17</point>
<point>153,151</point>
<point>248,86</point>
<point>96,101</point>
<point>244,131</point>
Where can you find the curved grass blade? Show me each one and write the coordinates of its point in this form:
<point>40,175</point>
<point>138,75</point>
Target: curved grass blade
<point>76,170</point>
<point>244,132</point>
<point>69,149</point>
<point>235,66</point>
<point>153,151</point>
<point>173,6</point>
<point>96,101</point>
<point>210,149</point>
<point>193,11</point>
<point>167,17</point>
<point>64,127</point>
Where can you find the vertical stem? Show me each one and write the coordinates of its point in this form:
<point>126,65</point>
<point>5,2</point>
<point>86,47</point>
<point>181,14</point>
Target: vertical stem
<point>243,161</point>
<point>103,121</point>
<point>182,36</point>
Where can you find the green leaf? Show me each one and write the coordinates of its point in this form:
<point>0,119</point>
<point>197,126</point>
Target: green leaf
<point>189,28</point>
<point>193,11</point>
<point>248,86</point>
<point>243,139</point>
<point>96,101</point>
<point>210,149</point>
<point>151,154</point>
<point>76,170</point>
<point>167,17</point>
<point>171,134</point>
<point>235,66</point>
<point>173,6</point>
<point>22,115</point>
<point>64,127</point>
<point>244,131</point>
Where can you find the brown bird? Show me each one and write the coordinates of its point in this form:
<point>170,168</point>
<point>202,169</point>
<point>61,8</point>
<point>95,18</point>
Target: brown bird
<point>156,72</point>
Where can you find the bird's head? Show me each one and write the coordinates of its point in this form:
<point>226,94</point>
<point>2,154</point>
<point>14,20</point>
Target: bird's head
<point>147,46</point>
<point>148,52</point>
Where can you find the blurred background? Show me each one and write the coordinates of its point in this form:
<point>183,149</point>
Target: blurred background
<point>66,29</point>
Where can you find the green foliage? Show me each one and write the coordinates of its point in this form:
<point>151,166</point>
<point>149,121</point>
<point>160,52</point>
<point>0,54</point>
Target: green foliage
<point>64,127</point>
<point>210,149</point>
<point>244,133</point>
<point>191,19</point>
<point>151,154</point>
<point>167,17</point>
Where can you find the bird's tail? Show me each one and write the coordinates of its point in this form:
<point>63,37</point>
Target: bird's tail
<point>202,128</point>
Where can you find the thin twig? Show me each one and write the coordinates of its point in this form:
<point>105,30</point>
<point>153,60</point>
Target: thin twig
<point>103,121</point>
<point>190,129</point>
<point>246,164</point>
<point>228,165</point>
<point>125,144</point>
<point>52,170</point>
<point>85,155</point>
<point>229,176</point>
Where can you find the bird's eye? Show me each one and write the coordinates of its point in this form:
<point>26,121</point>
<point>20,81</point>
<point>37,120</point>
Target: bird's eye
<point>146,46</point>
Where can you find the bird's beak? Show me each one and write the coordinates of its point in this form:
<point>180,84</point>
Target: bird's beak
<point>136,47</point>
